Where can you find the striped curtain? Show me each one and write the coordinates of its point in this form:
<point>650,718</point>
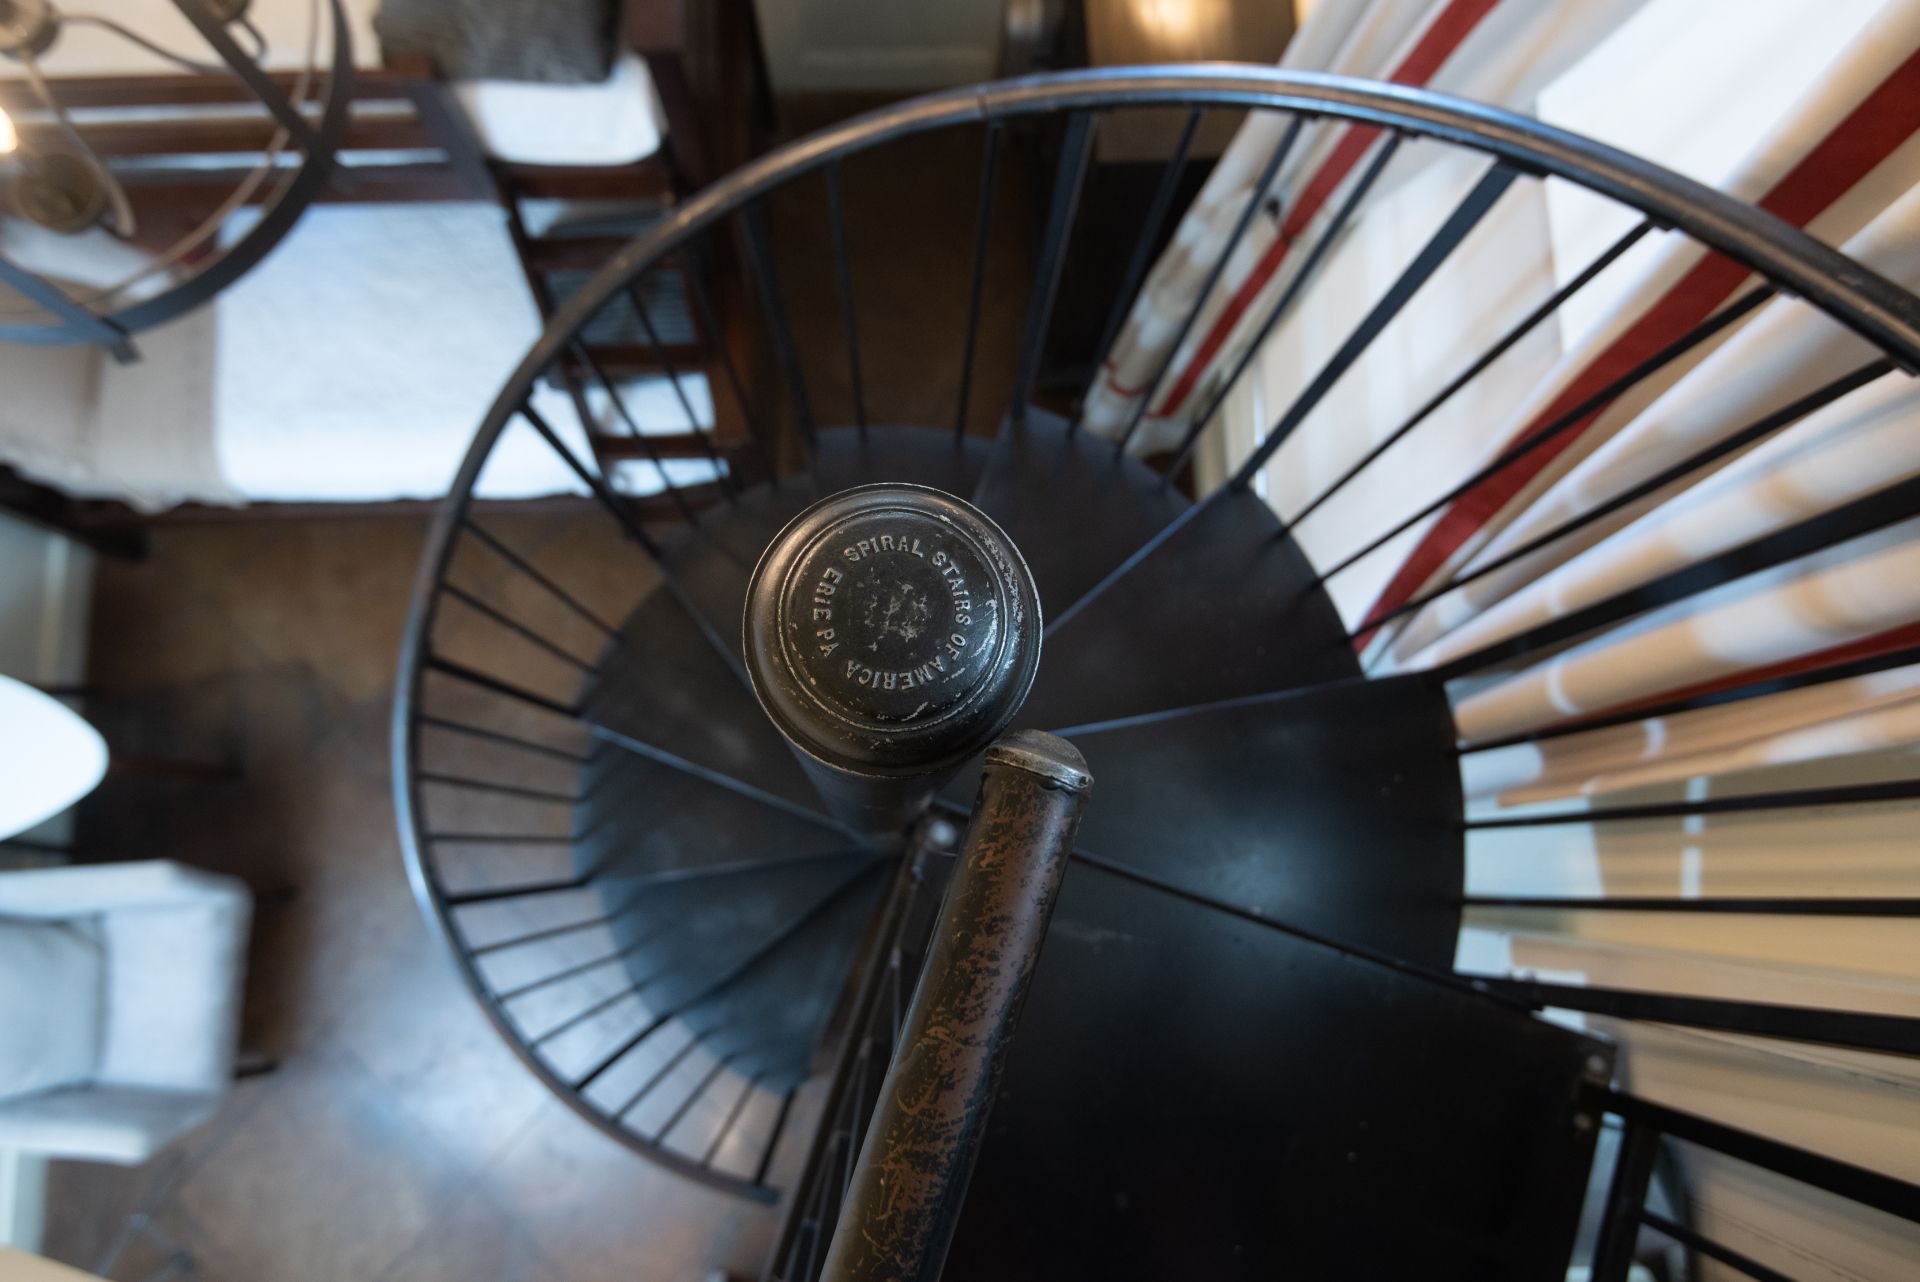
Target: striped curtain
<point>1482,49</point>
<point>1762,414</point>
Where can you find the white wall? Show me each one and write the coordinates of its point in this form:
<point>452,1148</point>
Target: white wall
<point>90,51</point>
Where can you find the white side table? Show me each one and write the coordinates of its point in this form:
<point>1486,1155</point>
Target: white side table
<point>49,757</point>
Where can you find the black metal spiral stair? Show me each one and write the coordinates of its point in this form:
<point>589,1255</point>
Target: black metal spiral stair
<point>1169,1018</point>
<point>1246,1052</point>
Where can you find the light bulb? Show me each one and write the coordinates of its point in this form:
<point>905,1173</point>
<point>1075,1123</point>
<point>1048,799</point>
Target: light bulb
<point>9,136</point>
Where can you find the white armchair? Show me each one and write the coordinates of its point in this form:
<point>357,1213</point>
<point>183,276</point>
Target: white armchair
<point>120,990</point>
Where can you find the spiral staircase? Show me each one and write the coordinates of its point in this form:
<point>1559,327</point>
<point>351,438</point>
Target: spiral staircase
<point>1246,1051</point>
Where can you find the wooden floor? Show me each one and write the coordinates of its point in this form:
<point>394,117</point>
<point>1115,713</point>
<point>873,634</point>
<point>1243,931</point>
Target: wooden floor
<point>400,1138</point>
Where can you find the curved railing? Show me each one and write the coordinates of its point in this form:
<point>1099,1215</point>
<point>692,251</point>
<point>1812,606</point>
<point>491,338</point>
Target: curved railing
<point>540,595</point>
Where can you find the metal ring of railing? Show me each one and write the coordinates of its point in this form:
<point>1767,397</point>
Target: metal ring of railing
<point>1872,307</point>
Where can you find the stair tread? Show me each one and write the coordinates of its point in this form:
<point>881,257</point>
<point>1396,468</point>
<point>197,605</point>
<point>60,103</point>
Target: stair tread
<point>637,360</point>
<point>644,817</point>
<point>1274,781</point>
<point>1039,477</point>
<point>1223,606</point>
<point>1225,1101</point>
<point>915,455</point>
<point>689,934</point>
<point>716,562</point>
<point>563,252</point>
<point>648,179</point>
<point>755,871</point>
<point>666,445</point>
<point>664,685</point>
<point>772,1016</point>
<point>762,945</point>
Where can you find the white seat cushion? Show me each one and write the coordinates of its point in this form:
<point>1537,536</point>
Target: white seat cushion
<point>615,122</point>
<point>51,1005</point>
<point>173,982</point>
<point>101,1123</point>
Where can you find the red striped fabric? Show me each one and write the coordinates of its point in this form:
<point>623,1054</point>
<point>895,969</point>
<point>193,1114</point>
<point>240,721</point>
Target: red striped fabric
<point>1904,637</point>
<point>1885,119</point>
<point>1430,52</point>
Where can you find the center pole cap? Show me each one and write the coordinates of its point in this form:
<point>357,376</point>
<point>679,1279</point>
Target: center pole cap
<point>892,629</point>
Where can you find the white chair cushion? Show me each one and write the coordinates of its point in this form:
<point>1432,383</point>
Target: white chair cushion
<point>51,989</point>
<point>174,976</point>
<point>615,122</point>
<point>101,1123</point>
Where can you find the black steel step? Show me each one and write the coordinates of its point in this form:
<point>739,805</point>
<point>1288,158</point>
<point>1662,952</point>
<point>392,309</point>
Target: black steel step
<point>1193,1095</point>
<point>754,962</point>
<point>1073,508</point>
<point>664,687</point>
<point>564,253</point>
<point>643,813</point>
<point>617,447</point>
<point>1222,605</point>
<point>691,776</point>
<point>713,562</point>
<point>642,360</point>
<point>1253,804</point>
<point>647,179</point>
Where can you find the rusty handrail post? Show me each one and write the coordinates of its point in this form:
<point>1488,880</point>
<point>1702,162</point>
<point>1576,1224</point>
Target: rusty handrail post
<point>900,1211</point>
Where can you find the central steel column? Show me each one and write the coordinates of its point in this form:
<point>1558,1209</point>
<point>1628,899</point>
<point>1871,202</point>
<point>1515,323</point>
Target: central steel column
<point>892,631</point>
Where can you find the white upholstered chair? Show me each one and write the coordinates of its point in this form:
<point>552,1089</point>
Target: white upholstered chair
<point>120,990</point>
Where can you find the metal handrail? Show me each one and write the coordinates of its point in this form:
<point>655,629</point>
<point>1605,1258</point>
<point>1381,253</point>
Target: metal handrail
<point>1792,262</point>
<point>905,1197</point>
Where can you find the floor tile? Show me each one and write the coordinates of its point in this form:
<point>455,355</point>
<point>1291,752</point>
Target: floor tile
<point>167,1246</point>
<point>609,1216</point>
<point>327,1179</point>
<point>477,1240</point>
<point>90,1204</point>
<point>440,1061</point>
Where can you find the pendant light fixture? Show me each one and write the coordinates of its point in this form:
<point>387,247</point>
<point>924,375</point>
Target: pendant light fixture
<point>76,265</point>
